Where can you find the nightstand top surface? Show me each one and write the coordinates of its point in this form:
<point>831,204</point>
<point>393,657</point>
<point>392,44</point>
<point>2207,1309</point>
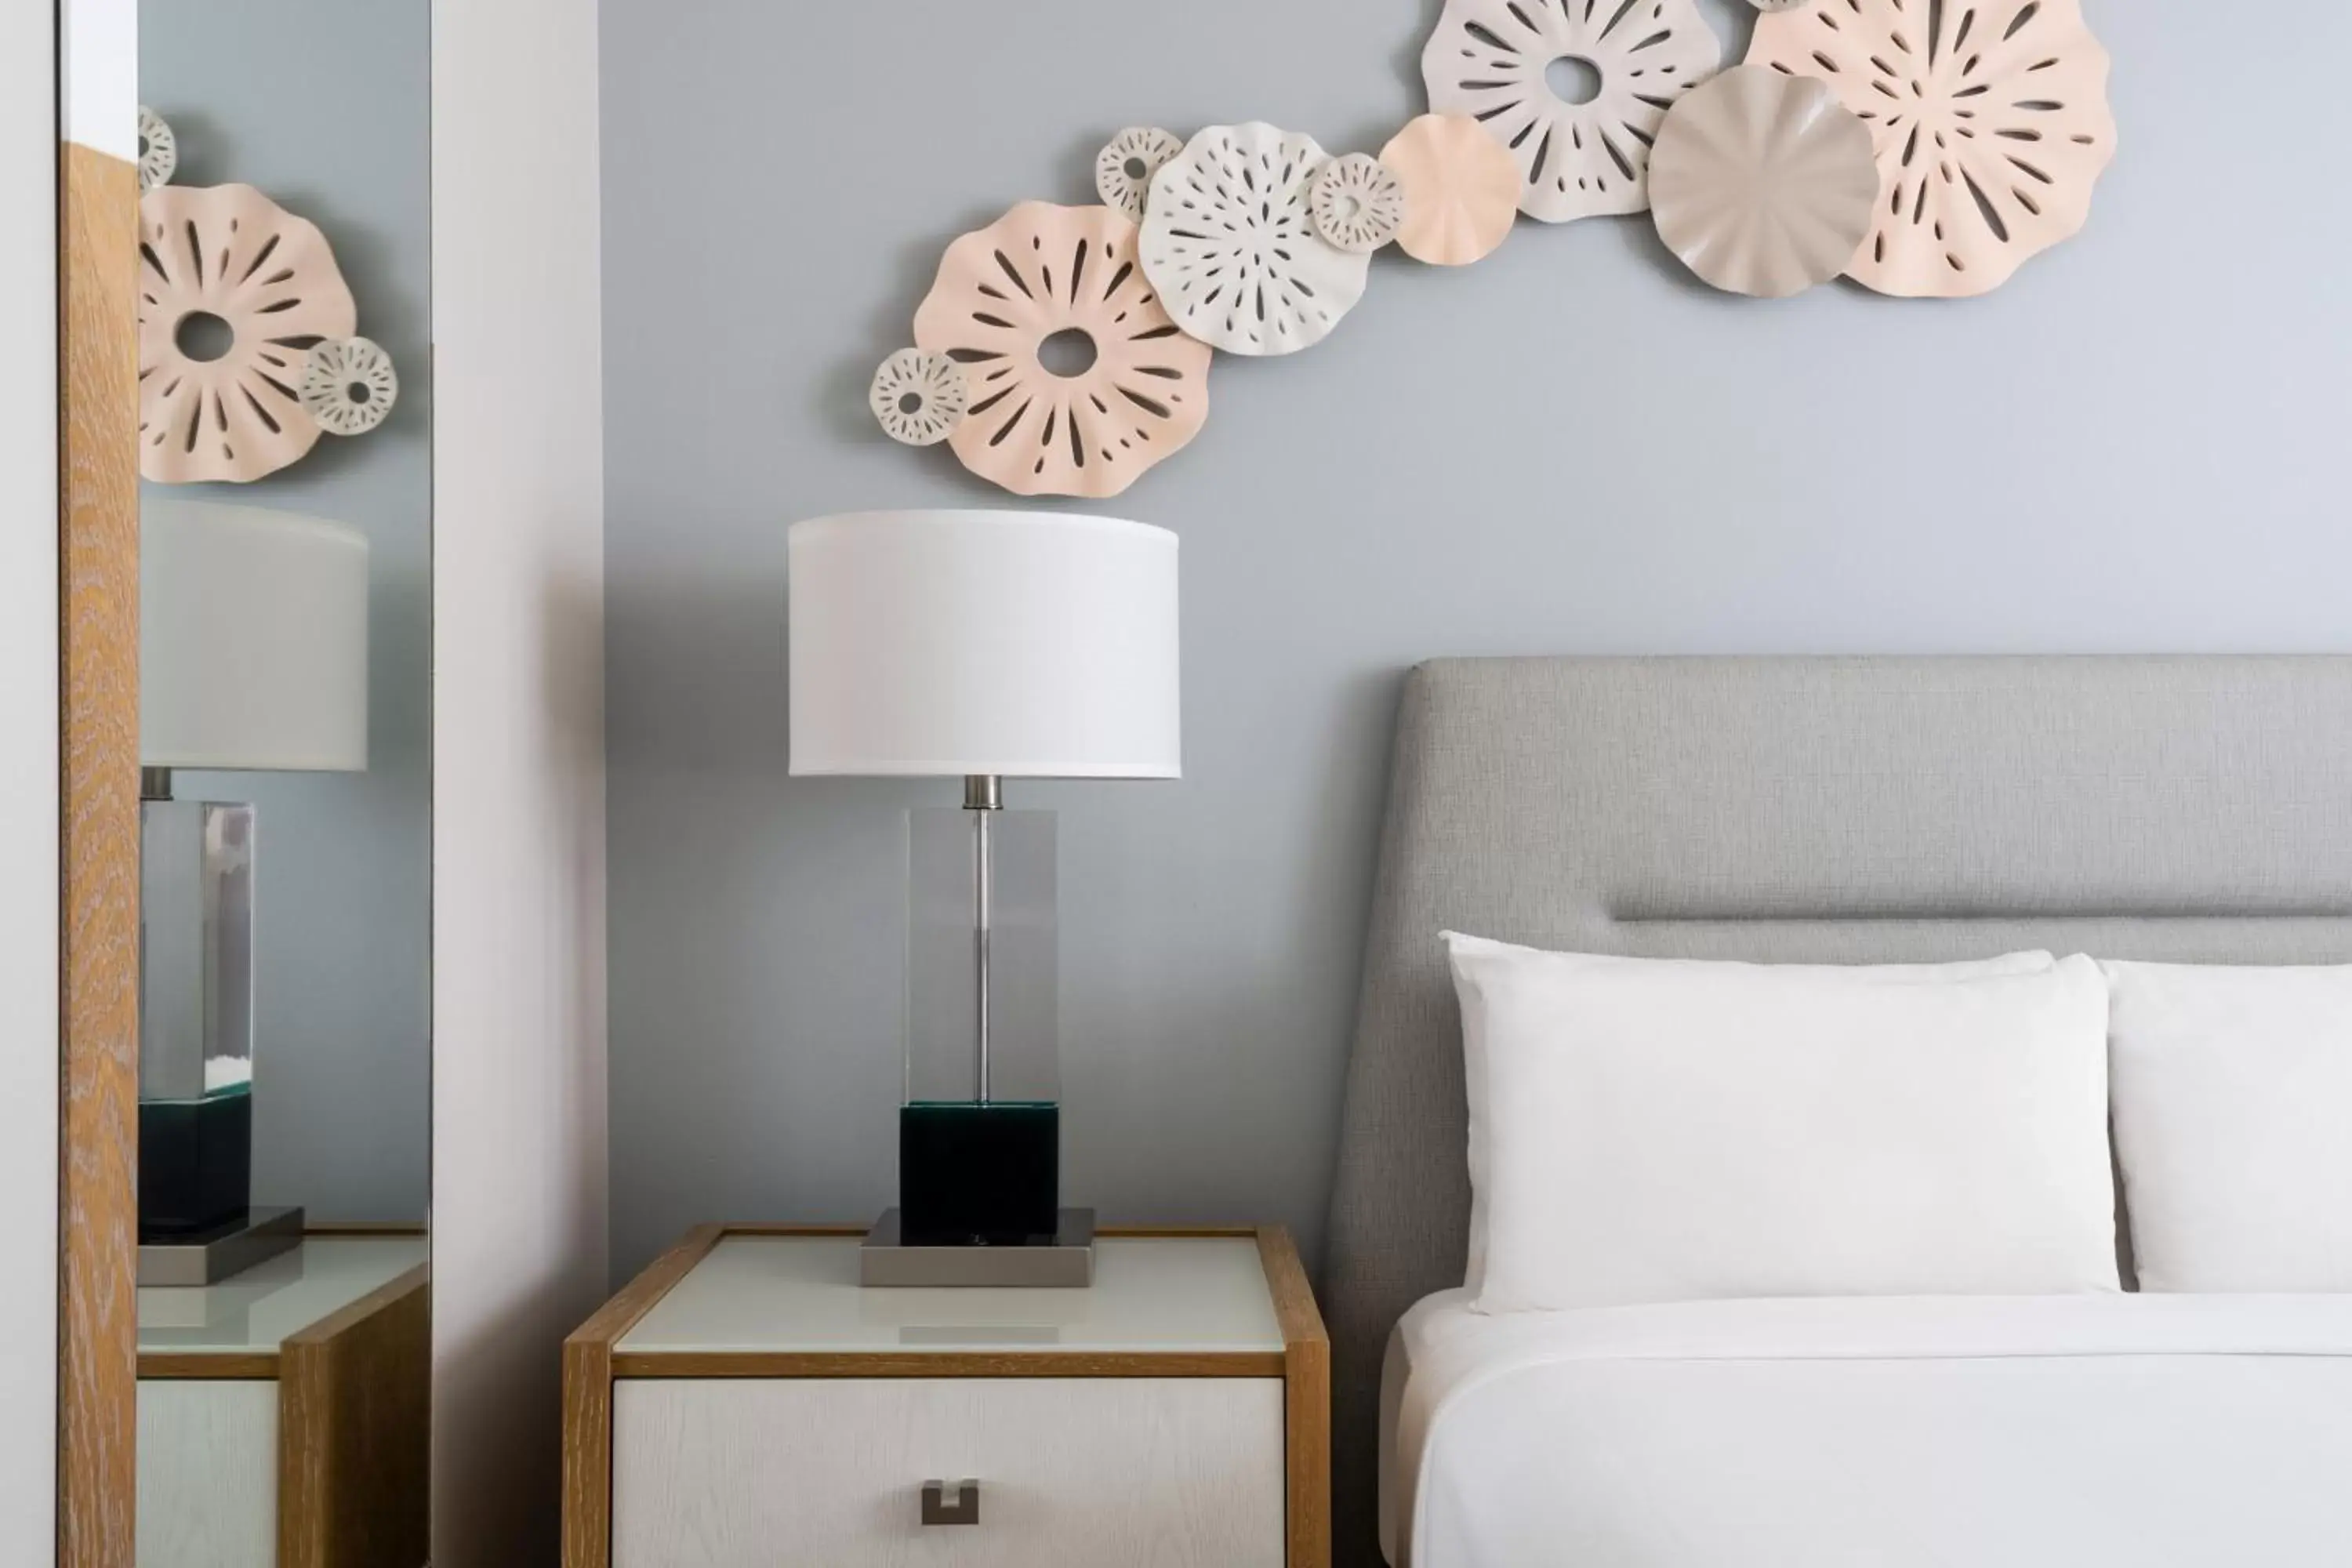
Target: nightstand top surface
<point>770,1294</point>
<point>256,1312</point>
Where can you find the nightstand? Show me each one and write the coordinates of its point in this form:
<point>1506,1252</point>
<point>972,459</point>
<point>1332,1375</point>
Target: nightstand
<point>283,1412</point>
<point>745,1404</point>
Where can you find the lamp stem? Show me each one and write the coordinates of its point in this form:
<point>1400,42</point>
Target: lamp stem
<point>984,795</point>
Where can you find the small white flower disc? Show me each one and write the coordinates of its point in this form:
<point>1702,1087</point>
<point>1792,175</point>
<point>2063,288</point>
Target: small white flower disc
<point>919,398</point>
<point>349,385</point>
<point>1358,205</point>
<point>159,151</point>
<point>1123,172</point>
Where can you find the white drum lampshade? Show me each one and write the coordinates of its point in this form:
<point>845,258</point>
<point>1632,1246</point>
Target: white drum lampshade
<point>253,649</point>
<point>973,643</point>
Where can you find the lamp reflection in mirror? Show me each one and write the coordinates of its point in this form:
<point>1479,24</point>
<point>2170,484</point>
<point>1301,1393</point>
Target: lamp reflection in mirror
<point>982,646</point>
<point>253,658</point>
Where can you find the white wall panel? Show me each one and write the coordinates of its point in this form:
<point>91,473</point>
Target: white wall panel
<point>519,1170</point>
<point>28,781</point>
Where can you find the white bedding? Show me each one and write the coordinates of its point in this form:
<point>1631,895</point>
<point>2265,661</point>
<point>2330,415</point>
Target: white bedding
<point>2049,1432</point>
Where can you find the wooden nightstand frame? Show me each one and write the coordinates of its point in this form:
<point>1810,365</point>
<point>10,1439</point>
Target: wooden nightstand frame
<point>353,1437</point>
<point>591,1363</point>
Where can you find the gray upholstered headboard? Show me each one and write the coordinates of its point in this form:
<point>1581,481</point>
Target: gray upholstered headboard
<point>1827,811</point>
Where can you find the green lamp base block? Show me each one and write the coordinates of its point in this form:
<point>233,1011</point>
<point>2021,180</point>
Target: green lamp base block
<point>195,1164</point>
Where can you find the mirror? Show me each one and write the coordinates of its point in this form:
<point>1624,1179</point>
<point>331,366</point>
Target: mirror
<point>286,666</point>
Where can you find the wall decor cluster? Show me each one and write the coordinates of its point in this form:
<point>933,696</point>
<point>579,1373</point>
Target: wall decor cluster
<point>247,344</point>
<point>1922,148</point>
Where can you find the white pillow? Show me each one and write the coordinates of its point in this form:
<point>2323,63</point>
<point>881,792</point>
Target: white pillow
<point>1474,1051</point>
<point>2233,1125</point>
<point>1678,1130</point>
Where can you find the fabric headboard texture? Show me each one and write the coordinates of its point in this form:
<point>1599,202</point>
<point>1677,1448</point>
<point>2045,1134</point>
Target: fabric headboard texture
<point>1837,811</point>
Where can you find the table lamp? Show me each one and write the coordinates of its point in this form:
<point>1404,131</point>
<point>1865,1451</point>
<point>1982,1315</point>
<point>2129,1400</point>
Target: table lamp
<point>982,646</point>
<point>253,656</point>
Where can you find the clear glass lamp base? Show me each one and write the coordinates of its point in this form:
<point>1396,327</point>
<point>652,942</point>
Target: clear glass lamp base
<point>196,1013</point>
<point>980,1131</point>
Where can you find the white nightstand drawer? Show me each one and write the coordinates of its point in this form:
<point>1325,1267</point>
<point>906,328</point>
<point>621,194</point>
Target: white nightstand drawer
<point>757,1473</point>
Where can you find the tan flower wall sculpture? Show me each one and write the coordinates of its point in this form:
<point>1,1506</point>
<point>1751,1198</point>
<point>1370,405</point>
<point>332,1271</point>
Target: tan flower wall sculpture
<point>230,253</point>
<point>1039,272</point>
<point>1991,130</point>
<point>1494,60</point>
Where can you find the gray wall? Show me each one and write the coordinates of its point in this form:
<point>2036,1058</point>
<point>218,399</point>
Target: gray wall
<point>325,106</point>
<point>1569,449</point>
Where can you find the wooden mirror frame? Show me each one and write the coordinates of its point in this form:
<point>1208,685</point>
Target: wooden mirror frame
<point>98,390</point>
<point>519,1191</point>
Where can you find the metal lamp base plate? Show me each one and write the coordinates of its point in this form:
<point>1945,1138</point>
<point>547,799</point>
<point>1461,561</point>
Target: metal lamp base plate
<point>1063,1261</point>
<point>208,1257</point>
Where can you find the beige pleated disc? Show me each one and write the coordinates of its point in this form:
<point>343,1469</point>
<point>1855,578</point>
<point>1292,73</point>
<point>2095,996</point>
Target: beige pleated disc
<point>1992,128</point>
<point>1036,273</point>
<point>1461,189</point>
<point>230,252</point>
<point>1763,184</point>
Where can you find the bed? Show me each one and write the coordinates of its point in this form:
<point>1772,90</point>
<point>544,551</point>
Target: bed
<point>1836,811</point>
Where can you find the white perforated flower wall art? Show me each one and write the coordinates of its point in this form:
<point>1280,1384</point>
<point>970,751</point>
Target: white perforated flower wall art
<point>349,386</point>
<point>1991,123</point>
<point>1575,89</point>
<point>159,151</point>
<point>1042,273</point>
<point>1358,204</point>
<point>1230,242</point>
<point>233,293</point>
<point>1124,170</point>
<point>919,398</point>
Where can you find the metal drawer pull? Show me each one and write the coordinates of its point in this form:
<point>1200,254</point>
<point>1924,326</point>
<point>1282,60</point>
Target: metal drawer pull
<point>956,1504</point>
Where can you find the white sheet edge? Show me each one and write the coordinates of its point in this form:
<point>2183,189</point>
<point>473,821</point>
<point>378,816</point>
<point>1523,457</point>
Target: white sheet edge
<point>1442,1352</point>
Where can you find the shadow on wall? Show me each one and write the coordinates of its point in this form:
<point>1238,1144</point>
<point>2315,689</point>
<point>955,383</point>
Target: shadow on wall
<point>707,624</point>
